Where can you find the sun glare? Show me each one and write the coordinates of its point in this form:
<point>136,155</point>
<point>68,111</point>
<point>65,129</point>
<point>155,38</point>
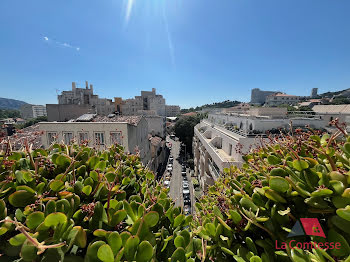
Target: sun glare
<point>129,6</point>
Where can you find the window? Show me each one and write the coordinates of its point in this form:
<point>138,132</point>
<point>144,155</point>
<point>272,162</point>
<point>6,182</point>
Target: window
<point>116,138</point>
<point>83,137</point>
<point>250,126</point>
<point>68,137</point>
<point>51,137</point>
<point>230,149</point>
<point>330,120</point>
<point>99,138</point>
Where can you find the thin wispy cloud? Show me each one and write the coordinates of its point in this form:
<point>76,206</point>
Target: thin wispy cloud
<point>62,44</point>
<point>169,38</point>
<point>129,6</point>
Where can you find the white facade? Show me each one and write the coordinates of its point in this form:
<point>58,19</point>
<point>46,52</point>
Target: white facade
<point>100,135</point>
<point>32,111</point>
<point>220,140</point>
<point>216,148</point>
<point>39,110</point>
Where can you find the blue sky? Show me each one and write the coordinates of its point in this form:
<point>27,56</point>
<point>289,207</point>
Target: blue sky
<point>192,51</point>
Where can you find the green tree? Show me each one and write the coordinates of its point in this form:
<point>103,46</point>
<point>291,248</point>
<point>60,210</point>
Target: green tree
<point>9,113</point>
<point>184,129</point>
<point>33,121</point>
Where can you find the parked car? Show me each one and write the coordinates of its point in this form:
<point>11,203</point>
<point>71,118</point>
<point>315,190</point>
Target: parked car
<point>183,174</point>
<point>186,191</point>
<point>187,199</point>
<point>187,210</point>
<point>172,137</point>
<point>185,185</point>
<point>185,178</point>
<point>169,169</point>
<point>183,168</point>
<point>167,183</point>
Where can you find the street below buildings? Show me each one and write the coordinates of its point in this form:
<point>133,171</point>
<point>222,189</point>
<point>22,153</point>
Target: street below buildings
<point>176,182</point>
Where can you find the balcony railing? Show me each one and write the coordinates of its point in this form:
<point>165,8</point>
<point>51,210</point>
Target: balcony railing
<point>213,170</point>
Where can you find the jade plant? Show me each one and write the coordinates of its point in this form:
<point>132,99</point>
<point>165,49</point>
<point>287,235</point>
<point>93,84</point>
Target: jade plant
<point>74,203</point>
<point>249,212</point>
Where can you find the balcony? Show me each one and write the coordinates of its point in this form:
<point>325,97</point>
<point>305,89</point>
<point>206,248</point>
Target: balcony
<point>215,172</point>
<point>217,155</point>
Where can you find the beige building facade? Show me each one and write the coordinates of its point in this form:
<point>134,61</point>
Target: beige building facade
<point>281,99</point>
<point>100,135</point>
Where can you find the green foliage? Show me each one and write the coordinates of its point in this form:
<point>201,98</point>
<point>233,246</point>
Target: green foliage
<point>184,130</point>
<point>72,201</point>
<point>9,113</point>
<point>33,121</point>
<point>302,176</point>
<point>224,104</point>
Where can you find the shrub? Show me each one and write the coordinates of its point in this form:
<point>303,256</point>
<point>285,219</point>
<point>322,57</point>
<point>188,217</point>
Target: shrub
<point>72,203</point>
<point>302,176</point>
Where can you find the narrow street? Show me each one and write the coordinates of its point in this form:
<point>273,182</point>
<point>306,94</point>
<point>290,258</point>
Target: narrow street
<point>176,179</point>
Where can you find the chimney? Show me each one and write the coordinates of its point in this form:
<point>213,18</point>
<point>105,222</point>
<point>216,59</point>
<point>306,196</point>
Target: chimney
<point>91,88</point>
<point>153,90</point>
<point>73,86</point>
<point>86,84</point>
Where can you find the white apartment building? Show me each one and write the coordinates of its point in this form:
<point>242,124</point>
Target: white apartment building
<point>172,110</point>
<point>32,111</point>
<point>220,140</point>
<point>101,132</point>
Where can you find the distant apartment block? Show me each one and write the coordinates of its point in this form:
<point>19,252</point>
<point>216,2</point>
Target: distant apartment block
<point>281,99</point>
<point>32,111</point>
<point>259,96</point>
<point>220,140</point>
<point>79,101</point>
<point>314,92</point>
<point>148,101</point>
<point>171,110</point>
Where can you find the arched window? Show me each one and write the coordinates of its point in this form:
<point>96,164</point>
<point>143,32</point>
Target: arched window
<point>241,125</point>
<point>250,126</point>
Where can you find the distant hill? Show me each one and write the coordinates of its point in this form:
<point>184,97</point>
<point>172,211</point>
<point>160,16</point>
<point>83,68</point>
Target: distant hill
<point>224,104</point>
<point>342,93</point>
<point>7,103</point>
